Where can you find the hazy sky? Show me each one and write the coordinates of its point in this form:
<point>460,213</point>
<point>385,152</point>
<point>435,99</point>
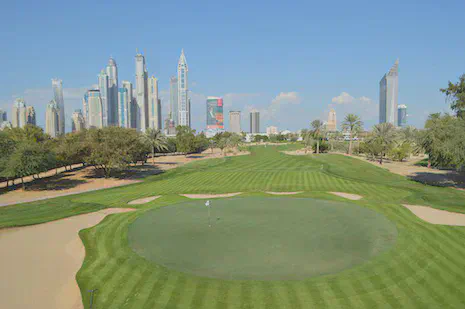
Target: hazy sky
<point>291,60</point>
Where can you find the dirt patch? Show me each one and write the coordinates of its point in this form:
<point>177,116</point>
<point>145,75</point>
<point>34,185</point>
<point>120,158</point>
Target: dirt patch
<point>41,262</point>
<point>298,152</point>
<point>283,193</point>
<point>350,196</point>
<point>201,196</point>
<point>436,216</point>
<point>144,200</point>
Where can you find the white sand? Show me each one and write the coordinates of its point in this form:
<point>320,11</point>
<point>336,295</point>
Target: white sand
<point>436,216</point>
<point>144,200</point>
<point>200,196</point>
<point>283,193</point>
<point>350,196</point>
<point>39,263</point>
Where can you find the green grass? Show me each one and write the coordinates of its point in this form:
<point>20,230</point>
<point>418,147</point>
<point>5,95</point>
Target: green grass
<point>425,268</point>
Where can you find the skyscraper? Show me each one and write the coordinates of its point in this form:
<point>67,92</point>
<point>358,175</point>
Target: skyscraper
<point>154,104</point>
<point>85,108</point>
<point>30,115</point>
<point>103,83</point>
<point>254,122</point>
<point>124,108</point>
<point>331,126</point>
<point>19,114</point>
<point>142,116</point>
<point>235,122</point>
<point>57,85</point>
<point>2,116</point>
<point>112,95</point>
<point>174,99</point>
<point>402,115</point>
<point>94,105</point>
<point>388,95</point>
<point>131,102</point>
<point>52,119</point>
<point>78,121</point>
<point>184,116</point>
<point>215,116</point>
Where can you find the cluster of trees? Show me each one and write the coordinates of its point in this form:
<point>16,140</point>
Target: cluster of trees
<point>225,140</point>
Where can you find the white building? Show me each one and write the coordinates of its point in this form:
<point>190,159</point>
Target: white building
<point>272,130</point>
<point>254,122</point>
<point>19,114</point>
<point>142,115</point>
<point>235,122</point>
<point>103,87</point>
<point>78,123</point>
<point>95,109</point>
<point>388,95</point>
<point>124,108</point>
<point>154,104</point>
<point>52,119</point>
<point>57,85</point>
<point>132,105</point>
<point>112,95</point>
<point>174,100</point>
<point>184,109</point>
<point>331,125</point>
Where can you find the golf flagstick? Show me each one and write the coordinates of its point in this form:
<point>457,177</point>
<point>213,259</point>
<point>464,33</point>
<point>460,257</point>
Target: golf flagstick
<point>207,203</point>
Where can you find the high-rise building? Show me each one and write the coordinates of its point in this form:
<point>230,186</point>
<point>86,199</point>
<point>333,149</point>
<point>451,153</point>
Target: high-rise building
<point>388,95</point>
<point>94,105</point>
<point>174,99</point>
<point>215,118</point>
<point>184,117</point>
<point>154,104</point>
<point>402,115</point>
<point>331,125</point>
<point>78,123</point>
<point>235,122</point>
<point>254,122</point>
<point>131,122</point>
<point>19,114</point>
<point>124,108</point>
<point>85,108</point>
<point>30,115</point>
<point>57,85</point>
<point>142,116</point>
<point>2,116</point>
<point>112,95</point>
<point>103,86</point>
<point>272,130</point>
<point>52,119</point>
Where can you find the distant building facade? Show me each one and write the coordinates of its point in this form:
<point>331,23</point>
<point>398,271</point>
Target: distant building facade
<point>52,119</point>
<point>142,110</point>
<point>57,85</point>
<point>254,122</point>
<point>388,95</point>
<point>235,122</point>
<point>154,104</point>
<point>103,87</point>
<point>3,117</point>
<point>331,125</point>
<point>272,130</point>
<point>174,99</point>
<point>112,94</point>
<point>95,109</point>
<point>123,108</point>
<point>78,123</point>
<point>19,114</point>
<point>215,118</point>
<point>131,108</point>
<point>184,109</point>
<point>402,115</point>
<point>31,115</point>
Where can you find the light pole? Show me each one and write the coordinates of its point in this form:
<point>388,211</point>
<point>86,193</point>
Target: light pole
<point>92,297</point>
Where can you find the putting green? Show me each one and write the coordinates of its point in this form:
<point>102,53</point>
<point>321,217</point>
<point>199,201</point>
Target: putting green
<point>261,238</point>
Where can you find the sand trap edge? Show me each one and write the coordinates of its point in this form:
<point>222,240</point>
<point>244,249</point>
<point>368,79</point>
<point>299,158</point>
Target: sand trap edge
<point>350,196</point>
<point>437,216</point>
<point>144,200</point>
<point>283,193</point>
<point>203,196</point>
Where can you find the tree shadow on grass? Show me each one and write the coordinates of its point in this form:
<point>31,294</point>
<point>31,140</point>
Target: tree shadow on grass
<point>132,173</point>
<point>447,179</point>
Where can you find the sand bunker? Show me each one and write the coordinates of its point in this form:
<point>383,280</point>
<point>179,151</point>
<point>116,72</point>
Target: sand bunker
<point>210,195</point>
<point>350,196</point>
<point>40,262</point>
<point>436,216</point>
<point>283,193</point>
<point>144,200</point>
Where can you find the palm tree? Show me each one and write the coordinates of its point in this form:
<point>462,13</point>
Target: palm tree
<point>156,140</point>
<point>306,138</point>
<point>317,131</point>
<point>384,134</point>
<point>352,124</point>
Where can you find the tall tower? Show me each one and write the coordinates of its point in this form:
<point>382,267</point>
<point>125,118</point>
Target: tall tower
<point>254,122</point>
<point>52,117</point>
<point>402,116</point>
<point>3,117</point>
<point>57,85</point>
<point>123,108</point>
<point>174,99</point>
<point>85,108</point>
<point>235,122</point>
<point>183,98</point>
<point>142,116</point>
<point>94,105</point>
<point>78,123</point>
<point>388,95</point>
<point>103,83</point>
<point>332,124</point>
<point>131,115</point>
<point>154,104</point>
<point>30,115</point>
<point>19,114</point>
<point>112,96</point>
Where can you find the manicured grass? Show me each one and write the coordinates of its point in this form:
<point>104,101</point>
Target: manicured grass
<point>425,268</point>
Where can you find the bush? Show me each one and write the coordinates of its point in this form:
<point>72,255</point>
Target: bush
<point>324,147</point>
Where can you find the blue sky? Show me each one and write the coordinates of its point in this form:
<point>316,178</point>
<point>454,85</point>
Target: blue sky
<point>290,60</point>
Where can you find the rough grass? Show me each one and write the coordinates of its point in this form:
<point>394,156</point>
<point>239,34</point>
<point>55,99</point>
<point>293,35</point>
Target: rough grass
<point>425,269</point>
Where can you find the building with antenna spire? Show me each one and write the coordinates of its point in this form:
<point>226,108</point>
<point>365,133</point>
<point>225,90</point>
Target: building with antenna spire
<point>388,95</point>
<point>142,115</point>
<point>112,95</point>
<point>184,110</point>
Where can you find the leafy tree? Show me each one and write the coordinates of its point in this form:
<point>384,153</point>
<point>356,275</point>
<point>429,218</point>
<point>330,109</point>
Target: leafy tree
<point>321,146</point>
<point>352,124</point>
<point>70,149</point>
<point>222,140</point>
<point>156,140</point>
<point>185,139</point>
<point>455,94</point>
<point>29,133</point>
<point>401,151</point>
<point>317,132</point>
<point>260,138</point>
<point>307,138</point>
<point>384,137</point>
<point>201,142</point>
<point>7,147</point>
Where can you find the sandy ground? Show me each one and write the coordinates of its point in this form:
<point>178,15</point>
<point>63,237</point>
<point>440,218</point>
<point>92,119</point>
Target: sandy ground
<point>350,196</point>
<point>39,263</point>
<point>85,179</point>
<point>298,152</point>
<point>210,195</point>
<point>283,193</point>
<point>144,200</point>
<point>436,216</point>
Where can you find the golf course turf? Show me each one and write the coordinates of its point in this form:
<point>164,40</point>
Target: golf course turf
<point>425,267</point>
